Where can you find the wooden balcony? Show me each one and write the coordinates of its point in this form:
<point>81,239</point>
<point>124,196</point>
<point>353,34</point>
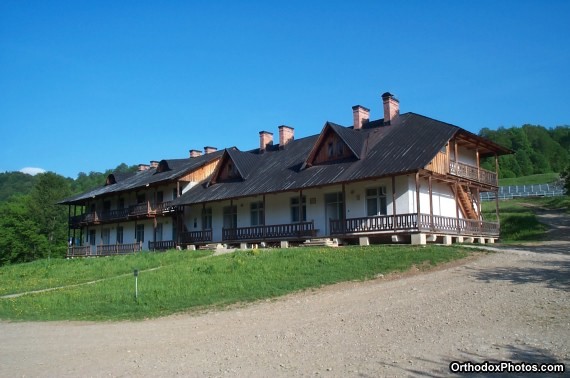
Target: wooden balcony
<point>196,237</point>
<point>140,210</point>
<point>113,215</point>
<point>473,173</point>
<point>295,231</point>
<point>410,222</point>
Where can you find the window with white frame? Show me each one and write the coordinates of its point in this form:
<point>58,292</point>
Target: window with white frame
<point>256,211</point>
<point>376,201</point>
<point>298,209</point>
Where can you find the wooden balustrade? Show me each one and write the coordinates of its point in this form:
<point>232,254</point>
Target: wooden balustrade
<point>276,231</point>
<point>162,245</point>
<point>118,249</point>
<point>116,215</point>
<point>374,224</point>
<point>191,237</point>
<point>473,173</point>
<point>112,215</point>
<point>79,251</point>
<point>411,222</point>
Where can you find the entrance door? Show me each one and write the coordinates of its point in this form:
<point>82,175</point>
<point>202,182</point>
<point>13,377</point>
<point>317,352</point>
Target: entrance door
<point>334,209</point>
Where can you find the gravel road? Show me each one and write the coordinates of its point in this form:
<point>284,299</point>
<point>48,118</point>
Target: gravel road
<point>511,304</point>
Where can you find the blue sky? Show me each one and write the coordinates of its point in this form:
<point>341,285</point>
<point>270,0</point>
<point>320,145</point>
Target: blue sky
<point>87,85</point>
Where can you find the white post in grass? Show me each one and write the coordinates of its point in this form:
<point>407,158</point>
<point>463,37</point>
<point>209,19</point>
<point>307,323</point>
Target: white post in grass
<point>136,273</point>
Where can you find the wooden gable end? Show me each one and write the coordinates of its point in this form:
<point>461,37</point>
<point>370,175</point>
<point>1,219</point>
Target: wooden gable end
<point>328,148</point>
<point>440,163</point>
<point>201,173</point>
<point>226,170</point>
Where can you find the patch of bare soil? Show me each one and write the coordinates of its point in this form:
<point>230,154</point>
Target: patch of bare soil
<point>509,305</point>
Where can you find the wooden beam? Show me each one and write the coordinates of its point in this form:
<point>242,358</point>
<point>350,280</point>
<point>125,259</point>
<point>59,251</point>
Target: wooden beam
<point>455,146</point>
<point>418,195</point>
<point>478,164</point>
<point>394,202</point>
<point>264,211</point>
<point>343,202</point>
<point>430,203</point>
<point>457,205</point>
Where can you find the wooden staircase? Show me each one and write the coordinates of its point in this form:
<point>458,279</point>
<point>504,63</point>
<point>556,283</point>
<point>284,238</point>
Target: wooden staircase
<point>465,202</point>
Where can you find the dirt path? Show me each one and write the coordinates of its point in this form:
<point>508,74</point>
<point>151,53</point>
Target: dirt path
<point>509,305</point>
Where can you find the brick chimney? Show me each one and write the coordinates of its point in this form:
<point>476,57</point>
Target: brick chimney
<point>195,153</point>
<point>286,134</point>
<point>265,140</point>
<point>391,108</point>
<point>209,150</point>
<point>153,163</point>
<point>143,167</point>
<point>361,116</point>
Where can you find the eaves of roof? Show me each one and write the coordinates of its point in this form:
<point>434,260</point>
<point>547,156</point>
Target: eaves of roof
<point>149,177</point>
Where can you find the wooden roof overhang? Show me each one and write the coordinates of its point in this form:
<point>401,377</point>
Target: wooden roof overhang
<point>485,147</point>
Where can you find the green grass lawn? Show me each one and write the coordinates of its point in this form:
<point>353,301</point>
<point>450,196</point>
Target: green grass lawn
<point>186,282</point>
<point>543,178</point>
<point>518,222</point>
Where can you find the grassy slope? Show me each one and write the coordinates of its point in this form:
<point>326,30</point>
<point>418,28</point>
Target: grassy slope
<point>184,282</point>
<point>543,178</point>
<point>518,222</point>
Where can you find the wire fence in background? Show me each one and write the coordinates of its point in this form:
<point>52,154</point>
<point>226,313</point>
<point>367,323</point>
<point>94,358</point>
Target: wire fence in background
<point>536,190</point>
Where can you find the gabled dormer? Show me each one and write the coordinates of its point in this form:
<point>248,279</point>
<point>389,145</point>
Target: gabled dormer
<point>232,167</point>
<point>162,167</point>
<point>335,143</point>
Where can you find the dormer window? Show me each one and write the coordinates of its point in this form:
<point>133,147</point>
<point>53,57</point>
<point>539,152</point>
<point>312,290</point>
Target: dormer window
<point>335,143</point>
<point>339,148</point>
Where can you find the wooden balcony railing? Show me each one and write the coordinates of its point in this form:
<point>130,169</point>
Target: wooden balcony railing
<point>162,245</point>
<point>473,173</point>
<point>139,210</point>
<point>103,250</point>
<point>191,237</point>
<point>118,249</point>
<point>79,251</point>
<point>165,208</point>
<point>112,215</point>
<point>410,222</point>
<point>276,231</point>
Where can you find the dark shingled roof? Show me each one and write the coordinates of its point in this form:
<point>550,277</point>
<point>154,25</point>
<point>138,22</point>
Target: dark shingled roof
<point>406,146</point>
<point>175,168</point>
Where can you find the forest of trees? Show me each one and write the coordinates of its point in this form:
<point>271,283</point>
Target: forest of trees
<point>537,150</point>
<point>33,226</point>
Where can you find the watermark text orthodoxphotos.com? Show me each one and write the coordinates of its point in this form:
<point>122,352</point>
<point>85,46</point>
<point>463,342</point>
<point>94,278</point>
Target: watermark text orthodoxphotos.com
<point>505,367</point>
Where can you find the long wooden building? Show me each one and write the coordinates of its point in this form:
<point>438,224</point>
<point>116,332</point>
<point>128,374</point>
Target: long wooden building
<point>400,179</point>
